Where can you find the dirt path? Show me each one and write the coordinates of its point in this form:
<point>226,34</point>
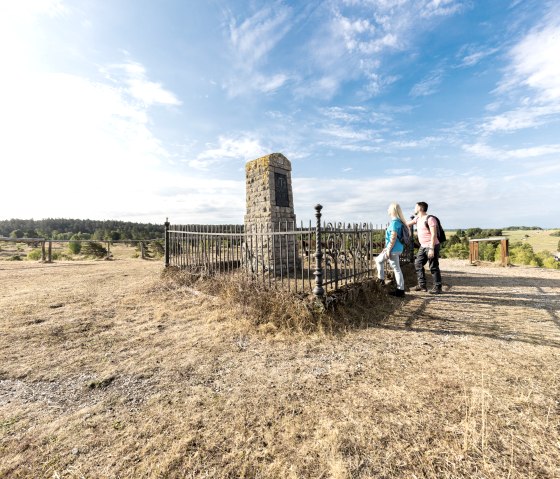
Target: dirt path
<point>510,304</point>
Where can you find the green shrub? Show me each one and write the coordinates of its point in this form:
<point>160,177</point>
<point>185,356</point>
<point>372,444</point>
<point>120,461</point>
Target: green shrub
<point>35,254</point>
<point>551,263</point>
<point>92,248</point>
<point>75,247</point>
<point>457,250</point>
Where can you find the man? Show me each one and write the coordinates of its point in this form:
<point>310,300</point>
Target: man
<point>429,248</point>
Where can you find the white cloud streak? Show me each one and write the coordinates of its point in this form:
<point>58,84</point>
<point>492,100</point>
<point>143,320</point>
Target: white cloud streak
<point>141,88</point>
<point>229,149</point>
<point>483,150</point>
<point>429,85</point>
<point>251,42</point>
<point>534,61</point>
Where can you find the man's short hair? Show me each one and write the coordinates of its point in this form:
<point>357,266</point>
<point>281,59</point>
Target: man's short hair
<point>423,206</point>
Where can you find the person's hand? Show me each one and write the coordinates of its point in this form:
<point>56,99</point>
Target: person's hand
<point>430,253</point>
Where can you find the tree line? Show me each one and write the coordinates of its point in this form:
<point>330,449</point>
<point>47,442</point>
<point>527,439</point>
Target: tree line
<point>65,229</point>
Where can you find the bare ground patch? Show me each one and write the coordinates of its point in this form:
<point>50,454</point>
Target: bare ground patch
<point>107,373</point>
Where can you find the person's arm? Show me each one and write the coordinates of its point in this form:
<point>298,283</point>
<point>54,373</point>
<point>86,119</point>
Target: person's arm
<point>391,242</point>
<point>433,234</point>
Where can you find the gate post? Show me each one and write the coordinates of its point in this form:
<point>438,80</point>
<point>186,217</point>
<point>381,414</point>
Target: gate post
<point>166,242</point>
<point>318,290</point>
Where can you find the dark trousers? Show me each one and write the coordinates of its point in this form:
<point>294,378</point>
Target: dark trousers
<point>433,263</point>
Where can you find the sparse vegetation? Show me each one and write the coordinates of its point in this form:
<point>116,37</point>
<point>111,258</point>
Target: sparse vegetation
<point>108,371</point>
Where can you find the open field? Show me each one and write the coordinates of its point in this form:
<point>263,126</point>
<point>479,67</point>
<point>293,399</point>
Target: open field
<point>108,372</point>
<point>540,240</point>
<point>8,250</point>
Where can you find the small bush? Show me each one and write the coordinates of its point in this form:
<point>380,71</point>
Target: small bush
<point>35,254</point>
<point>158,248</point>
<point>551,263</point>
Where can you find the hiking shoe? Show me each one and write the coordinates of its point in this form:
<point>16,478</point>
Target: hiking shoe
<point>380,281</point>
<point>436,290</point>
<point>399,293</point>
<point>420,288</point>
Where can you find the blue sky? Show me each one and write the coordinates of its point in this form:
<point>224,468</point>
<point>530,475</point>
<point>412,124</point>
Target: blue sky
<point>140,110</point>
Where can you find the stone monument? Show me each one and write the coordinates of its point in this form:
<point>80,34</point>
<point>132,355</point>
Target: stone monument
<point>270,211</point>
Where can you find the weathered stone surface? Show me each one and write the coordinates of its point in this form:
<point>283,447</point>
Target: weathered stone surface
<point>270,207</point>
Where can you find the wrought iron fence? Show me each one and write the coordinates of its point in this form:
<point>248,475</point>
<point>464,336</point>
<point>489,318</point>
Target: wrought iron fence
<point>314,258</point>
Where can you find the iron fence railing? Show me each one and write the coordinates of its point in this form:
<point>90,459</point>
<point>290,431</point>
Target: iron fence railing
<point>314,258</point>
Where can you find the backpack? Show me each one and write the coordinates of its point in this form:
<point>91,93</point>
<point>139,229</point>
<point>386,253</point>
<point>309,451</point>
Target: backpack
<point>439,229</point>
<point>404,236</point>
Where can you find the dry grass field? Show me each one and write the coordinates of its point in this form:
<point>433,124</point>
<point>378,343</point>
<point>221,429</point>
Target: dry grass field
<point>107,371</point>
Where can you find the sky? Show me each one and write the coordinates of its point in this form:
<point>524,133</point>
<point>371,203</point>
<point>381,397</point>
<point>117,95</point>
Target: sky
<point>142,110</point>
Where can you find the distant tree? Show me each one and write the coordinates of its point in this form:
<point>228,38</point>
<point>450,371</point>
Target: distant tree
<point>472,232</point>
<point>95,249</point>
<point>17,234</point>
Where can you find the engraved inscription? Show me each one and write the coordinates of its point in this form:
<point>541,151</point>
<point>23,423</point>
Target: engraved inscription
<point>281,187</point>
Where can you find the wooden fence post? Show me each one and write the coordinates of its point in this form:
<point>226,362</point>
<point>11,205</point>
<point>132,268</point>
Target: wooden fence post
<point>505,252</point>
<point>166,242</point>
<point>43,255</point>
<point>49,256</point>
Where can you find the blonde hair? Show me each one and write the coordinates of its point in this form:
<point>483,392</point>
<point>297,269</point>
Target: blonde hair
<point>395,211</point>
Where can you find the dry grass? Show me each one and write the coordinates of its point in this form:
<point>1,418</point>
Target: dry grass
<point>109,371</point>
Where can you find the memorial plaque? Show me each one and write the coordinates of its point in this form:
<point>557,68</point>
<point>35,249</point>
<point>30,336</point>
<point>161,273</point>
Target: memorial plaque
<point>281,188</point>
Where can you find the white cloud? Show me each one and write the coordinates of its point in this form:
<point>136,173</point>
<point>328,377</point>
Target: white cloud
<point>256,36</point>
<point>83,146</point>
<point>239,149</point>
<point>520,118</point>
<point>367,199</point>
<point>139,87</point>
<point>483,150</point>
<point>471,56</point>
<point>534,61</point>
<point>433,8</point>
<point>251,42</point>
<point>429,85</point>
<point>25,9</point>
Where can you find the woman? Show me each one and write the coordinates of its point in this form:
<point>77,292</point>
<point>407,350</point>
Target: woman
<point>393,249</point>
